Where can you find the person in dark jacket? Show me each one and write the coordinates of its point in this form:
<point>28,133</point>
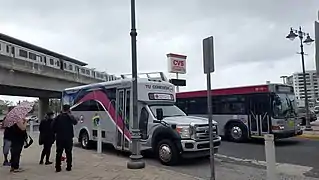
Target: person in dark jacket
<point>17,137</point>
<point>63,129</point>
<point>46,137</point>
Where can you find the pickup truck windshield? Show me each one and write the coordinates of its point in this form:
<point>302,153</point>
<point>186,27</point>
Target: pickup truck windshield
<point>169,110</point>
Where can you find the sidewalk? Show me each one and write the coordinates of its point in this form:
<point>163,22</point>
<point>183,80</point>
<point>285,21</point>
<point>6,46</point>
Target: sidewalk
<point>91,166</point>
<point>87,165</point>
<point>312,134</point>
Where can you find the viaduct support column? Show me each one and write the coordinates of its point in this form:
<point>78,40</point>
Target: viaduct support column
<point>43,107</point>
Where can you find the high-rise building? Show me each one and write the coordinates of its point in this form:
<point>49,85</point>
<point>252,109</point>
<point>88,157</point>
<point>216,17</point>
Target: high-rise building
<point>296,80</point>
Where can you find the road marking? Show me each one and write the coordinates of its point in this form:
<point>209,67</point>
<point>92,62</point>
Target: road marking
<point>289,169</point>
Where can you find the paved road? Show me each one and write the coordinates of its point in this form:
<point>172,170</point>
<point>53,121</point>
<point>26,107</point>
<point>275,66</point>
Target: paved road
<point>292,151</point>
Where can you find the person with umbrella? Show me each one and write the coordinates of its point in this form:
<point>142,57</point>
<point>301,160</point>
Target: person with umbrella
<point>46,137</point>
<point>17,124</point>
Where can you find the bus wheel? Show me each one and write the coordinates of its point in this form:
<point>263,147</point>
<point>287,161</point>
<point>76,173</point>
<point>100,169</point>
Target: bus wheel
<point>167,152</point>
<point>236,132</point>
<point>85,141</point>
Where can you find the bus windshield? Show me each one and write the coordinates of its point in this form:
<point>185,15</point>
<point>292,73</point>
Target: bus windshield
<point>169,110</point>
<point>284,105</point>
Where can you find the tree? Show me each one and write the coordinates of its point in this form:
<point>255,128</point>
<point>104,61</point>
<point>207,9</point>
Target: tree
<point>4,105</point>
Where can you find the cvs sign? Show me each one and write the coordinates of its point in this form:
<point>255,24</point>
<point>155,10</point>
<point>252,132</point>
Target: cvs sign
<point>176,63</point>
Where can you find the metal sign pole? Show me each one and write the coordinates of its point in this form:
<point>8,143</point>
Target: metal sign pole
<point>210,118</point>
<point>208,57</point>
<point>177,87</point>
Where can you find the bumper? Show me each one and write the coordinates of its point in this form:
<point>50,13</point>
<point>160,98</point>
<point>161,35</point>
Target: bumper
<point>281,135</point>
<point>192,149</point>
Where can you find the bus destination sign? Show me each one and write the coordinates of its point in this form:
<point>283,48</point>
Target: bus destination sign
<point>284,89</point>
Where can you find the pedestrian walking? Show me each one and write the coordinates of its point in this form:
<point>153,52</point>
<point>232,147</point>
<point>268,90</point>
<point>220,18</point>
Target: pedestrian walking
<point>63,130</point>
<point>6,146</point>
<point>17,137</point>
<point>46,137</point>
<point>17,124</point>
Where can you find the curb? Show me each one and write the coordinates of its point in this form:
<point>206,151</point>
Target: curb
<point>309,136</point>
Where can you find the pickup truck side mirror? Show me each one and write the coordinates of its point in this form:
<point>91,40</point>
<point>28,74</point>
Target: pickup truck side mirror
<point>159,114</point>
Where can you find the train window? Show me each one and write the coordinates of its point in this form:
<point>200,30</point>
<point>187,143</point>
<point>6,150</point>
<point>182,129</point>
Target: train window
<point>70,67</point>
<point>64,64</point>
<point>87,72</point>
<point>12,50</point>
<point>8,48</point>
<point>0,46</point>
<point>44,59</point>
<point>58,63</point>
<point>32,56</point>
<point>23,53</point>
<point>83,71</point>
<point>51,62</point>
<point>39,58</point>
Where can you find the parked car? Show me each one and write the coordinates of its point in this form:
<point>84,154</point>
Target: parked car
<point>302,115</point>
<point>316,109</point>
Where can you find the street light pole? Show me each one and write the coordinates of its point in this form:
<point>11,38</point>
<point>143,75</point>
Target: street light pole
<point>292,35</point>
<point>136,158</point>
<point>308,127</point>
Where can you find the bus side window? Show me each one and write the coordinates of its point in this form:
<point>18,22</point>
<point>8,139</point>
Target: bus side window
<point>181,103</point>
<point>143,123</point>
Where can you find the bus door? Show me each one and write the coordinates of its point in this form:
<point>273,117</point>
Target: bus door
<point>123,98</point>
<point>259,117</point>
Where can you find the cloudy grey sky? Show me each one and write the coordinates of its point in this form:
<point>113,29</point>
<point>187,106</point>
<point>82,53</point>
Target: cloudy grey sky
<point>250,43</point>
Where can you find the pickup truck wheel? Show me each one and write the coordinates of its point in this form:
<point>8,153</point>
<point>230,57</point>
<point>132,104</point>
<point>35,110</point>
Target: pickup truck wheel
<point>84,140</point>
<point>236,132</point>
<point>167,152</point>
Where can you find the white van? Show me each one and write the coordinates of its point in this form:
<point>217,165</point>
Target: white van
<point>164,128</point>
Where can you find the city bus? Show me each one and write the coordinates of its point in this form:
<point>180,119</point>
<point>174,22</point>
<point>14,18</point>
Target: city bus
<point>247,112</point>
<point>164,128</point>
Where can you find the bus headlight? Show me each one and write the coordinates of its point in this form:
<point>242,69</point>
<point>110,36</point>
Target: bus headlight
<point>184,131</point>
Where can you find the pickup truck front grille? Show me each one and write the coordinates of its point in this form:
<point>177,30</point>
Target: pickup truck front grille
<point>202,132</point>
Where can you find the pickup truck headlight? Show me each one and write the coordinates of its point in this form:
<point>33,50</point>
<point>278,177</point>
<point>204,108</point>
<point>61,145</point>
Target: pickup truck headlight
<point>184,131</point>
